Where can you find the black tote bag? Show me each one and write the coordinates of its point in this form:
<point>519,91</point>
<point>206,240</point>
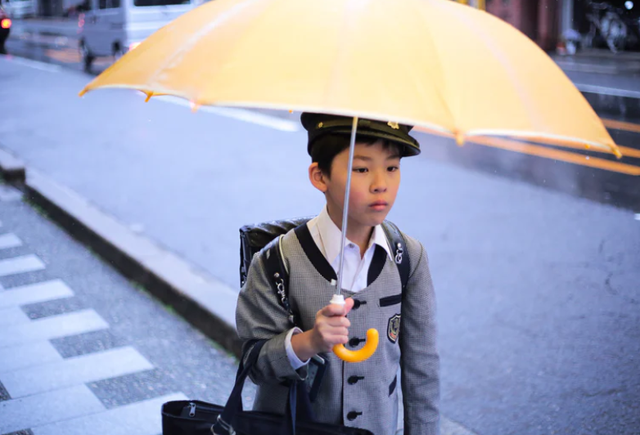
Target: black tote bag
<point>194,417</point>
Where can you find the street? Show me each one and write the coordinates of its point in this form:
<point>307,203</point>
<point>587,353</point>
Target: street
<point>535,255</point>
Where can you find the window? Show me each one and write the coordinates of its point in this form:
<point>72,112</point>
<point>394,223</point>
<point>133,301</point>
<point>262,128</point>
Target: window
<point>160,2</point>
<point>108,4</point>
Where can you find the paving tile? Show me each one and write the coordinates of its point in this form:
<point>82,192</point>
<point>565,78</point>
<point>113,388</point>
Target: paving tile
<point>52,327</point>
<point>26,355</point>
<point>124,390</point>
<point>25,263</point>
<point>39,310</point>
<point>141,418</point>
<point>74,371</point>
<point>9,240</point>
<point>29,294</point>
<point>12,316</point>
<point>82,344</point>
<point>46,408</point>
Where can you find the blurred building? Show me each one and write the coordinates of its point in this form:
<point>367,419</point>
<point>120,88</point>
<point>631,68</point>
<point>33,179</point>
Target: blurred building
<point>545,21</point>
<point>538,19</point>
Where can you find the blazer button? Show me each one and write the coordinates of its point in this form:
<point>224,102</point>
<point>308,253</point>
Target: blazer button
<point>353,415</point>
<point>356,304</point>
<point>354,379</point>
<point>354,341</point>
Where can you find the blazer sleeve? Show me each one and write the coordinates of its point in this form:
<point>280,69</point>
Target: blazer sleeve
<point>259,316</point>
<point>420,362</point>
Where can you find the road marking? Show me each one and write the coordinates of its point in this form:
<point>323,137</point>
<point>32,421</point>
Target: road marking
<point>26,355</point>
<point>52,327</point>
<point>141,418</point>
<point>31,63</point>
<point>549,153</point>
<point>27,263</point>
<point>614,92</point>
<point>67,55</point>
<point>34,293</point>
<point>73,371</point>
<point>12,316</point>
<point>621,125</point>
<point>51,407</point>
<point>239,114</point>
<point>9,240</point>
<point>565,156</point>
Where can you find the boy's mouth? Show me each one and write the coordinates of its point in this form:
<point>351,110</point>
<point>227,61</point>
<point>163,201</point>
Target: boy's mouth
<point>379,205</point>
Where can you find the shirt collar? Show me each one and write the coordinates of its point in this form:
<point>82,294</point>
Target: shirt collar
<point>331,237</point>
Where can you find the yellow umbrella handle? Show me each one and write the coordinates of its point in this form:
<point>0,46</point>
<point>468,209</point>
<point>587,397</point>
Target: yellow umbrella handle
<point>354,356</point>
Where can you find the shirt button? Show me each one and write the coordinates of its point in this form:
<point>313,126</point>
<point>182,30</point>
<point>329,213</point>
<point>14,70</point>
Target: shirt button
<point>353,415</point>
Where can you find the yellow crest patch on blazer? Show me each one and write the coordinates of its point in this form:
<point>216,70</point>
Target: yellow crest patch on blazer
<point>393,328</point>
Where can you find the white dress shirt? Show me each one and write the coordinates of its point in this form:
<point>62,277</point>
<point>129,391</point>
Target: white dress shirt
<point>328,238</point>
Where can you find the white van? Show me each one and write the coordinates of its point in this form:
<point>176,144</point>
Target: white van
<point>113,27</point>
<point>19,8</point>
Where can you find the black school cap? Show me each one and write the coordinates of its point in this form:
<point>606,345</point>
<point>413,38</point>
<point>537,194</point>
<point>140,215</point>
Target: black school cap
<point>320,124</point>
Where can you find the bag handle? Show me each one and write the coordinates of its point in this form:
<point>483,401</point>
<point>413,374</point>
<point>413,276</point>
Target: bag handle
<point>226,419</point>
<point>234,403</point>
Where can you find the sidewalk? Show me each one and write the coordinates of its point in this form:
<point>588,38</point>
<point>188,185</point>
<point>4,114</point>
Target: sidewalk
<point>81,347</point>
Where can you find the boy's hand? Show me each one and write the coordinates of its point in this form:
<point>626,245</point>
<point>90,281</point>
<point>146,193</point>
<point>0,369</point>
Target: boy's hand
<point>330,328</point>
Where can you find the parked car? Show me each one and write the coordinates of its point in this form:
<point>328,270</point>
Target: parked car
<point>114,27</point>
<point>5,28</point>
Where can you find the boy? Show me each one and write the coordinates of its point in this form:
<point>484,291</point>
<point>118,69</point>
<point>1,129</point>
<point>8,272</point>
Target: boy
<point>354,394</point>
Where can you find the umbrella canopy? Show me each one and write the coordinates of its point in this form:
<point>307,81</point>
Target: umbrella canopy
<point>431,63</point>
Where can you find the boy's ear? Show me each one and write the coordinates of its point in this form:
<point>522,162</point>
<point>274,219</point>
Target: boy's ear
<point>317,178</point>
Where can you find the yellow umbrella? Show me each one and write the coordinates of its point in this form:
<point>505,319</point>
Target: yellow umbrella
<point>437,64</point>
<point>431,63</point>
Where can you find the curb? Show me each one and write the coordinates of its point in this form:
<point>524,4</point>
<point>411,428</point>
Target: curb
<point>204,302</point>
<point>11,168</point>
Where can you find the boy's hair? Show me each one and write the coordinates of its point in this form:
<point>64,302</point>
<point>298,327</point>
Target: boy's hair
<point>327,147</point>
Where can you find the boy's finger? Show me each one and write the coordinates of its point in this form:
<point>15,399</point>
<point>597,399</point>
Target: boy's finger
<point>338,322</point>
<point>332,310</point>
<point>348,304</point>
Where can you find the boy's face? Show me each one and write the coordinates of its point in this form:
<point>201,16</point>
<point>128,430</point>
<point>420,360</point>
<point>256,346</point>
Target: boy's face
<point>374,184</point>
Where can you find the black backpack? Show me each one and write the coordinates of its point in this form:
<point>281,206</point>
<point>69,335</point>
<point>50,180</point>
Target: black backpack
<point>266,237</point>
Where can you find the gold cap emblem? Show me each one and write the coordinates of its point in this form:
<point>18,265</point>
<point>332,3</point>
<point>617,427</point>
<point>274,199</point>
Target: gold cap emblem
<point>393,125</point>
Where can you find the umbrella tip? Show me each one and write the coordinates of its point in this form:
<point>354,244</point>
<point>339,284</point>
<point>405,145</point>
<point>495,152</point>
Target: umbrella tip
<point>617,152</point>
<point>459,137</point>
<point>194,107</point>
<point>149,95</point>
<point>82,92</point>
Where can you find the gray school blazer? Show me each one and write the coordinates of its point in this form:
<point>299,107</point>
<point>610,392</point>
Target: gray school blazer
<point>362,394</point>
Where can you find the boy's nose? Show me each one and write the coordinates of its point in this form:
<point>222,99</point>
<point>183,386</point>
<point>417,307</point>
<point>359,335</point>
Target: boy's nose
<point>379,184</point>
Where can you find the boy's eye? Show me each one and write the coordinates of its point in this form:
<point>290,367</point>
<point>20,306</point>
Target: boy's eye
<point>392,168</point>
<point>360,170</point>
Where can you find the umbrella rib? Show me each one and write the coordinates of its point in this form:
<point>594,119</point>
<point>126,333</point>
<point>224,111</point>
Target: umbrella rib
<point>442,75</point>
<point>500,56</point>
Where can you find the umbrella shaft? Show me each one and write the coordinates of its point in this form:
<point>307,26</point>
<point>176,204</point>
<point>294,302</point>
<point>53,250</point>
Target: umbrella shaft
<point>345,208</point>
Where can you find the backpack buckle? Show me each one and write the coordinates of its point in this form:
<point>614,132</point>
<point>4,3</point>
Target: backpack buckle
<point>399,252</point>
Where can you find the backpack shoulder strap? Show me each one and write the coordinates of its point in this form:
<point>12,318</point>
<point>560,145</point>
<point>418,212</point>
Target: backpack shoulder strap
<point>399,248</point>
<point>278,275</point>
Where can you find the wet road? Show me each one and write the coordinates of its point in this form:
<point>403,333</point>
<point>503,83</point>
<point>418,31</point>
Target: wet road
<point>538,290</point>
